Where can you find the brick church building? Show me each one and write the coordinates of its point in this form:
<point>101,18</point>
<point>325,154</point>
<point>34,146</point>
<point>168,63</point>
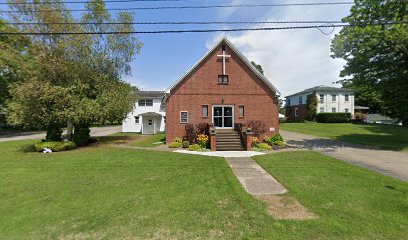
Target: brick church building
<point>224,90</point>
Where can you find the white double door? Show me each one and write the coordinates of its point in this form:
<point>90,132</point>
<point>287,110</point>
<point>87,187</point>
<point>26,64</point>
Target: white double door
<point>223,116</point>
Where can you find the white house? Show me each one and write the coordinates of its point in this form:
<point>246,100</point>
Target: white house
<point>330,99</point>
<point>148,115</point>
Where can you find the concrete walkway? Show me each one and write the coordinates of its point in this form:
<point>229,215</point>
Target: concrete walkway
<point>391,163</point>
<point>255,180</point>
<point>226,154</point>
<point>95,132</point>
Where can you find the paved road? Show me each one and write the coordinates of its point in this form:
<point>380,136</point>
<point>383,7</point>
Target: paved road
<point>391,163</point>
<point>96,132</point>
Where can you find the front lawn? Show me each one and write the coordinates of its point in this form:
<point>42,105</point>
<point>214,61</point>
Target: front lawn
<point>150,140</point>
<point>384,136</point>
<point>102,192</point>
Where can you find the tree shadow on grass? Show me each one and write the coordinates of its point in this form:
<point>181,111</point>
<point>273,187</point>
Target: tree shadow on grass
<point>391,142</point>
<point>27,148</point>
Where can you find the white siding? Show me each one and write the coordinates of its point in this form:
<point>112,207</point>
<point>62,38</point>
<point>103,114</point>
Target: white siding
<point>129,124</point>
<point>340,104</point>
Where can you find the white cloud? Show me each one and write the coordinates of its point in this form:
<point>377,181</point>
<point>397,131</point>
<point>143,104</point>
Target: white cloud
<point>293,60</point>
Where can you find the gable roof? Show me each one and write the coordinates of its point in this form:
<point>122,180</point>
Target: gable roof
<point>322,88</point>
<point>236,51</point>
<point>150,94</point>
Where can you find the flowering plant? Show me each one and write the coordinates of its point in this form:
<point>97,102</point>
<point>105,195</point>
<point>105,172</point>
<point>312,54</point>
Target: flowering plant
<point>202,140</point>
<point>254,140</point>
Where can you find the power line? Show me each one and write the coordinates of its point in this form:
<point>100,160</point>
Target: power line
<point>175,23</point>
<point>204,30</point>
<point>193,7</point>
<point>75,2</point>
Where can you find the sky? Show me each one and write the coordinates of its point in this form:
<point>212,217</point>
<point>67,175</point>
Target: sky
<point>293,60</point>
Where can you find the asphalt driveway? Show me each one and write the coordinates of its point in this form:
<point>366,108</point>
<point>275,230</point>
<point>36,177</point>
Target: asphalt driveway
<point>391,163</point>
<point>95,132</point>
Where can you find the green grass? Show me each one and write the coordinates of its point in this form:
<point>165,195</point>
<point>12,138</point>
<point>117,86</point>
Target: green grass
<point>383,136</point>
<point>150,141</point>
<point>352,202</point>
<point>114,193</point>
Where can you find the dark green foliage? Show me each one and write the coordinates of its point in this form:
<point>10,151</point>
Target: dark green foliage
<point>311,107</point>
<point>376,56</point>
<point>186,144</point>
<point>81,134</point>
<point>258,127</point>
<point>174,145</point>
<point>55,146</point>
<point>333,117</point>
<point>271,140</point>
<point>54,133</point>
<point>258,67</point>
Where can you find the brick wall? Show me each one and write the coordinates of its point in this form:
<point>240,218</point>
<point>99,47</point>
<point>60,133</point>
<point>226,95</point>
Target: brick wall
<point>301,112</point>
<point>201,87</point>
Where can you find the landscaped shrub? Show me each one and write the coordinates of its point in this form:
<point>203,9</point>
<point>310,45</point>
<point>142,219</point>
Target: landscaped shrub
<point>55,146</point>
<point>54,133</point>
<point>185,144</point>
<point>201,128</point>
<point>279,143</point>
<point>202,140</point>
<point>258,127</point>
<point>333,117</point>
<point>178,139</point>
<point>263,146</point>
<point>174,145</point>
<point>254,140</point>
<point>271,140</point>
<point>190,133</point>
<point>81,134</point>
<point>194,147</point>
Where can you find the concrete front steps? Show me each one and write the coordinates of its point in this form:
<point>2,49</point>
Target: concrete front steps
<point>228,140</point>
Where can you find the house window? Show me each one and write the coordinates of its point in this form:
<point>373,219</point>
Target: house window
<point>334,97</point>
<point>296,112</point>
<point>300,100</point>
<point>136,119</point>
<point>322,98</point>
<point>164,119</point>
<point>205,110</point>
<point>288,102</point>
<point>346,98</point>
<point>322,109</point>
<point>184,117</point>
<point>222,79</point>
<point>334,110</point>
<point>241,111</point>
<point>346,110</point>
<point>145,102</point>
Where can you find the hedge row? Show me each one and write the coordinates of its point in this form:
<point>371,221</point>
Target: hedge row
<point>333,117</point>
<point>55,146</point>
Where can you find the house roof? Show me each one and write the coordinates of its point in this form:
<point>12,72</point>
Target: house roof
<point>378,117</point>
<point>240,55</point>
<point>322,88</point>
<point>151,94</point>
<point>361,108</point>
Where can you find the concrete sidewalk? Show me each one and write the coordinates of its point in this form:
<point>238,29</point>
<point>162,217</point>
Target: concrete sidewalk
<point>391,163</point>
<point>254,178</point>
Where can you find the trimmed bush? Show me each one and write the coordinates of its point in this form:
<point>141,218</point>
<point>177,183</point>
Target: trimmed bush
<point>178,139</point>
<point>185,144</point>
<point>279,143</point>
<point>54,133</point>
<point>263,146</point>
<point>194,147</point>
<point>174,145</point>
<point>55,146</point>
<point>190,133</point>
<point>333,117</point>
<point>258,127</point>
<point>81,135</point>
<point>271,140</point>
